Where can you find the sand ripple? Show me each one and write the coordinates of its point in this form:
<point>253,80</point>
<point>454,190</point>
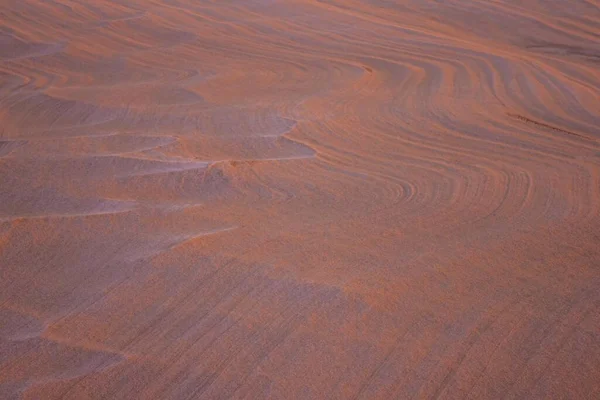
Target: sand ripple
<point>305,199</point>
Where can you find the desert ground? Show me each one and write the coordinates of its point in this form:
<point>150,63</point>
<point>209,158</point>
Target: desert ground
<point>299,199</point>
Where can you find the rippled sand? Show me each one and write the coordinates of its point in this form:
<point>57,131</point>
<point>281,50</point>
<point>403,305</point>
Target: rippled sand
<point>300,199</point>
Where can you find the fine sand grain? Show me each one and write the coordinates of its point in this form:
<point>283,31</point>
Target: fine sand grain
<point>299,199</point>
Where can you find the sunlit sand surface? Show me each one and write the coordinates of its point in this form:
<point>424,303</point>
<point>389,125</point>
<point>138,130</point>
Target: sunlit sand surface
<point>299,199</point>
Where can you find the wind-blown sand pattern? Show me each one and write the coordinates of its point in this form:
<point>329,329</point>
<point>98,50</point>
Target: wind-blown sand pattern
<point>303,199</point>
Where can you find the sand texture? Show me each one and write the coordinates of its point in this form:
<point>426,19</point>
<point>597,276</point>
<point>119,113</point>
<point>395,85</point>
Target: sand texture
<point>299,199</point>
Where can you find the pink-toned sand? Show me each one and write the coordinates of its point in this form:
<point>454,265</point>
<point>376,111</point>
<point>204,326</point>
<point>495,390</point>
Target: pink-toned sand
<point>299,199</point>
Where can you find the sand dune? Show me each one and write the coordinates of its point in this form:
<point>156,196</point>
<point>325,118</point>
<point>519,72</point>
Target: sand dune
<point>303,199</point>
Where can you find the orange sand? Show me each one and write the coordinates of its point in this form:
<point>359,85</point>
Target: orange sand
<point>299,199</point>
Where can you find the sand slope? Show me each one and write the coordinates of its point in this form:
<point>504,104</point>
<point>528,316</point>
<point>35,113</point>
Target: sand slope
<point>304,199</point>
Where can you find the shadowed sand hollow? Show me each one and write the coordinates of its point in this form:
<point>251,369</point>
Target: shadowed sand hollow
<point>303,199</point>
